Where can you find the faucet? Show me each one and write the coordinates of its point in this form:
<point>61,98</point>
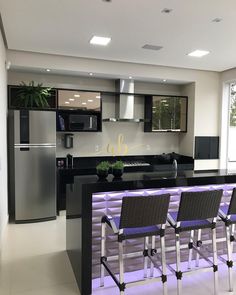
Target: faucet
<point>175,164</point>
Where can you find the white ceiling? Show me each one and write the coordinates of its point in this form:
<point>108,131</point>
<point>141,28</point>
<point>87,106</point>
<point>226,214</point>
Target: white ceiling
<point>65,27</point>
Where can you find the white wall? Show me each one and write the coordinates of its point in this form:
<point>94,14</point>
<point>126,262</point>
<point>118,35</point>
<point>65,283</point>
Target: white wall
<point>3,136</point>
<point>207,112</point>
<point>186,139</point>
<point>226,78</point>
<point>206,93</point>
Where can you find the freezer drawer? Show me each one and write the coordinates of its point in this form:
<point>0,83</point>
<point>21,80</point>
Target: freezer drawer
<point>35,182</point>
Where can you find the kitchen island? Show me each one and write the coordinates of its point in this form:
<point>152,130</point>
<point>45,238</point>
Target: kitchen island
<point>88,199</point>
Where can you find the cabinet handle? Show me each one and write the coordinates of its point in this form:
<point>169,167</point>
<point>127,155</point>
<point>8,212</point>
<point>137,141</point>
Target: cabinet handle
<point>90,122</point>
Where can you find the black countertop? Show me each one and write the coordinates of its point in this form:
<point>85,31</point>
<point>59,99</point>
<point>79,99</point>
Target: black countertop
<point>158,179</point>
<point>87,165</point>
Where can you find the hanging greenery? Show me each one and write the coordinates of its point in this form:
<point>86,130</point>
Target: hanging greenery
<point>32,95</point>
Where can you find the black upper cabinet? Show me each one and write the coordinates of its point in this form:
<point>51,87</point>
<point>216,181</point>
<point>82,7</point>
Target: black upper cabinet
<point>79,111</point>
<point>79,100</point>
<point>15,103</point>
<point>165,113</point>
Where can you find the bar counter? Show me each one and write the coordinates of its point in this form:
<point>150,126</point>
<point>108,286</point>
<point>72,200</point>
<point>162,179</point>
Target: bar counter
<point>88,199</point>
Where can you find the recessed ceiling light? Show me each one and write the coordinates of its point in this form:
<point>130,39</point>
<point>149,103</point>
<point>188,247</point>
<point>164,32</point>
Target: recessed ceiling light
<point>48,70</point>
<point>67,102</point>
<point>217,20</point>
<point>166,10</point>
<point>71,99</point>
<point>198,53</point>
<point>76,95</point>
<point>96,40</point>
<point>91,100</point>
<point>164,80</point>
<point>130,77</point>
<point>84,103</point>
<point>98,96</point>
<point>90,74</point>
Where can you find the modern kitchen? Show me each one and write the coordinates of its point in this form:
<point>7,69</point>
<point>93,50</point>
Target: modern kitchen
<point>168,125</point>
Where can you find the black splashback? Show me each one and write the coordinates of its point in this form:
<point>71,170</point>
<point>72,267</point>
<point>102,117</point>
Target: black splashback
<point>206,147</point>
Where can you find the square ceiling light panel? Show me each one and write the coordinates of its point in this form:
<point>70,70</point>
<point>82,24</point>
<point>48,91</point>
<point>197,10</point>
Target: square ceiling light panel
<point>198,53</point>
<point>97,40</point>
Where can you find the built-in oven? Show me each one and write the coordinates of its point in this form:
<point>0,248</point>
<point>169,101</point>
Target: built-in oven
<point>84,122</point>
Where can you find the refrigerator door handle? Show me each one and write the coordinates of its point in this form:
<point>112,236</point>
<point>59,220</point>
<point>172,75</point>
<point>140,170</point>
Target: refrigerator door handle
<point>34,145</point>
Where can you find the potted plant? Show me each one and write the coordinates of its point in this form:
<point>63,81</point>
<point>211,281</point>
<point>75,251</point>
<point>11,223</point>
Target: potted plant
<point>32,95</point>
<point>118,168</point>
<point>103,169</point>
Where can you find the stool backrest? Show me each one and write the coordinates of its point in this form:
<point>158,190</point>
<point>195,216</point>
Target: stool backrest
<point>199,205</point>
<point>232,205</point>
<point>144,211</point>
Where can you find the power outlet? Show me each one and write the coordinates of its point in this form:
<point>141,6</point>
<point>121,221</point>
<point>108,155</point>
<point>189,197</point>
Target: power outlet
<point>148,147</point>
<point>96,148</point>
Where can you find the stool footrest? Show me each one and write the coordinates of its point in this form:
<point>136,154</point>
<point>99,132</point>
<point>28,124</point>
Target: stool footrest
<point>154,262</point>
<point>202,255</point>
<point>107,267</point>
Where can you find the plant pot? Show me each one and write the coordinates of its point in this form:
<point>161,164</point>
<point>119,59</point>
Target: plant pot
<point>117,172</point>
<point>102,174</point>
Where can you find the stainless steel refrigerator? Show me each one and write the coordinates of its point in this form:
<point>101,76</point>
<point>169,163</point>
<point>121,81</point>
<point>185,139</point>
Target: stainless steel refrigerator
<point>32,165</point>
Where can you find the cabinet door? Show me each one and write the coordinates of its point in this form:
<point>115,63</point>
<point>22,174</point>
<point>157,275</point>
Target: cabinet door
<point>80,100</point>
<point>168,114</point>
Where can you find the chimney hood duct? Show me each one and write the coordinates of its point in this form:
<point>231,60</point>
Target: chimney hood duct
<point>125,106</point>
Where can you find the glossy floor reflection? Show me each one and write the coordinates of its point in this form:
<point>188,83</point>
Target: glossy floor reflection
<point>34,262</point>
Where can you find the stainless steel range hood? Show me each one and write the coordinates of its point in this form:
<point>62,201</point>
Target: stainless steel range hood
<point>124,108</point>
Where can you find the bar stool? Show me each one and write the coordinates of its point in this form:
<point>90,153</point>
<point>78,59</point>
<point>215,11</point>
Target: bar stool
<point>141,217</point>
<point>228,214</point>
<point>197,210</point>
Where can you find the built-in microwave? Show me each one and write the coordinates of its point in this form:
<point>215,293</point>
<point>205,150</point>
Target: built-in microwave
<point>82,122</point>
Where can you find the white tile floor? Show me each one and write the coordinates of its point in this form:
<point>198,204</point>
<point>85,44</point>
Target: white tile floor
<point>34,262</point>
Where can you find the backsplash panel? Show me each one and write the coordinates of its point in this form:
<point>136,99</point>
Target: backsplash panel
<point>119,138</point>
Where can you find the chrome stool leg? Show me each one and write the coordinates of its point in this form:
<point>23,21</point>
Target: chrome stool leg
<point>163,262</point>
<point>103,252</point>
<point>215,262</point>
<point>190,245</point>
<point>178,261</point>
<point>121,266</point>
<point>146,241</point>
<point>199,234</point>
<point>229,261</point>
<point>232,237</point>
<point>153,246</point>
